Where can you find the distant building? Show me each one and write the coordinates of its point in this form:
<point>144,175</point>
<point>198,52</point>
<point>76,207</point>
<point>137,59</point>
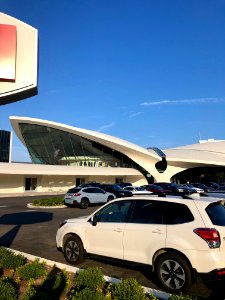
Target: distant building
<point>64,156</point>
<point>5,146</point>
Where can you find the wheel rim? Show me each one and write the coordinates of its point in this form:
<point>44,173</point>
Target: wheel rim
<point>72,251</point>
<point>84,203</point>
<point>172,274</point>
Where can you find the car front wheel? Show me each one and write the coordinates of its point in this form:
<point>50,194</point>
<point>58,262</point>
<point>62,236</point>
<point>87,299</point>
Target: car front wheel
<point>73,250</point>
<point>173,273</point>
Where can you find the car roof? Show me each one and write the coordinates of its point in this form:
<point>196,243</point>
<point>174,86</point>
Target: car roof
<point>202,201</point>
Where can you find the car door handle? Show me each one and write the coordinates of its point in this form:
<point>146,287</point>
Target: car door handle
<point>158,231</point>
<point>118,230</point>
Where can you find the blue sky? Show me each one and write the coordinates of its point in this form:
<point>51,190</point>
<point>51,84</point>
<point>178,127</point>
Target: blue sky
<point>150,72</point>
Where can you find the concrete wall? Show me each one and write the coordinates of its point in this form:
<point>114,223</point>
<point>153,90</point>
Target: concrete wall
<point>60,183</point>
<point>11,183</point>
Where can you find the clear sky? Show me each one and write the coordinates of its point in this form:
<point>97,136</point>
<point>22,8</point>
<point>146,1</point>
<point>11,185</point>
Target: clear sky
<point>151,72</point>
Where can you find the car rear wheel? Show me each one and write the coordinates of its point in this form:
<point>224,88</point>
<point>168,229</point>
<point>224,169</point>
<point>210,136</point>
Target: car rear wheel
<point>84,203</point>
<point>173,273</point>
<point>73,250</point>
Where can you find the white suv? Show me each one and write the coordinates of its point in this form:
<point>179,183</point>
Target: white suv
<point>177,237</point>
<point>83,197</point>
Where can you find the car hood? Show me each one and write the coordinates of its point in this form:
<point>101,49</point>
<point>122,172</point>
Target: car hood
<point>77,220</point>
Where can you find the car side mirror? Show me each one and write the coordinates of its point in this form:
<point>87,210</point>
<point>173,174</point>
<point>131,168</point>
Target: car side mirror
<point>94,220</point>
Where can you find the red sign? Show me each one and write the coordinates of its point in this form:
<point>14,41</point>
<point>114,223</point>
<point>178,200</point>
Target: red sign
<point>7,53</point>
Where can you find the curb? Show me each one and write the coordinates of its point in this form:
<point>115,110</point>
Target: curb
<point>29,205</point>
<point>159,294</point>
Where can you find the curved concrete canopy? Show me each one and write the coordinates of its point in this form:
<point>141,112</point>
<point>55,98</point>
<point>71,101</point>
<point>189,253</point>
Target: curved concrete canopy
<point>178,159</point>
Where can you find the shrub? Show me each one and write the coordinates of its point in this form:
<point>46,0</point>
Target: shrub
<point>29,294</point>
<point>91,278</point>
<point>129,289</point>
<point>88,294</point>
<point>54,201</point>
<point>32,270</point>
<point>9,260</point>
<point>7,290</point>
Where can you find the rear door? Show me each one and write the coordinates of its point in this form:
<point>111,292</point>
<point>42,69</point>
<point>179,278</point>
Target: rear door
<point>100,195</point>
<point>145,232</point>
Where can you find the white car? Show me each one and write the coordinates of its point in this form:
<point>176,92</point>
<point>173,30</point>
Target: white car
<point>137,190</point>
<point>177,237</point>
<point>87,195</point>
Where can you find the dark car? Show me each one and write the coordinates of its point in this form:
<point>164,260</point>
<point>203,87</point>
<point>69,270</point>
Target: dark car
<point>116,190</point>
<point>212,185</point>
<point>156,189</point>
<point>202,186</point>
<point>90,184</point>
<point>124,184</point>
<point>176,189</point>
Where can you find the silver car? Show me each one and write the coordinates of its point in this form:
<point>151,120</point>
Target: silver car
<point>83,197</point>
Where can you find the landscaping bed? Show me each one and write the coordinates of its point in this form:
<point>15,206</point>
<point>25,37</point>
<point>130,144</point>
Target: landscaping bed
<point>22,279</point>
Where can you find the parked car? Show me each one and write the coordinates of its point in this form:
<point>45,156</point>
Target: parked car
<point>220,189</point>
<point>202,186</point>
<point>87,195</point>
<point>177,237</point>
<point>212,185</point>
<point>137,190</point>
<point>116,190</point>
<point>156,189</point>
<point>176,189</point>
<point>198,190</point>
<point>93,184</point>
<point>124,184</point>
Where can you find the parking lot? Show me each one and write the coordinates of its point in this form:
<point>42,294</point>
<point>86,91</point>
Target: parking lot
<point>33,231</point>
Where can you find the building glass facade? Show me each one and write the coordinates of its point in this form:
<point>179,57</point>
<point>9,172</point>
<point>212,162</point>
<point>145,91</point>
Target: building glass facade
<point>5,137</point>
<point>51,146</point>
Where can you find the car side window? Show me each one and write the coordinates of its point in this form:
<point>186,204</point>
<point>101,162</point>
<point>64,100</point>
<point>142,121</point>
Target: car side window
<point>147,212</point>
<point>88,190</point>
<point>177,213</point>
<point>98,191</point>
<point>116,212</point>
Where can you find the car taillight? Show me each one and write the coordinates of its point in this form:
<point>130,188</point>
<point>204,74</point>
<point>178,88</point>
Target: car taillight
<point>210,235</point>
<point>76,195</point>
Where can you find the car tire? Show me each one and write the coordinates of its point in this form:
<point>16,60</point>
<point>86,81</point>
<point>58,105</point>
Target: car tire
<point>173,273</point>
<point>110,198</point>
<point>73,250</point>
<point>84,203</point>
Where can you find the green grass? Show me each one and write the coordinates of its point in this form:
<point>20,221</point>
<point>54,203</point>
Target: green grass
<point>53,201</point>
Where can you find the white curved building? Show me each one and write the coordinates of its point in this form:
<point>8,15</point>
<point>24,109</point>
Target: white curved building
<point>64,156</point>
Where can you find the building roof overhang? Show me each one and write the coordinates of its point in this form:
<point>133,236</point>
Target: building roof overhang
<point>37,169</point>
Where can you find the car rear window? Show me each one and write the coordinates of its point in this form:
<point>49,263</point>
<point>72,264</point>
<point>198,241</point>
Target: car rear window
<point>216,213</point>
<point>74,190</point>
<point>177,213</point>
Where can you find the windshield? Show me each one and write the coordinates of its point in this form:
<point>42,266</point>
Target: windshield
<point>116,187</point>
